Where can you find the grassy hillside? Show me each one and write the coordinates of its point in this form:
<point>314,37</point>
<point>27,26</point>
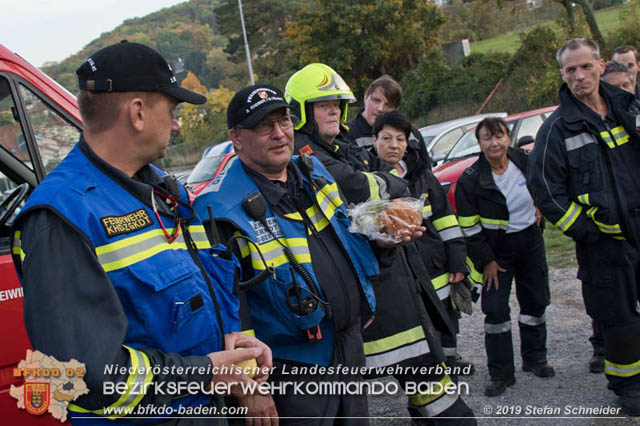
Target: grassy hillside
<point>510,42</point>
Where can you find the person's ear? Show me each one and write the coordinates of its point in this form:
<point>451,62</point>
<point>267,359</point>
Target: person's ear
<point>235,140</point>
<point>602,66</point>
<point>135,111</point>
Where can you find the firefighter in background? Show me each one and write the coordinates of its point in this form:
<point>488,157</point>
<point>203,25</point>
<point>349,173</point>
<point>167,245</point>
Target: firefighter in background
<point>583,175</point>
<point>504,240</point>
<point>408,310</point>
<point>442,245</point>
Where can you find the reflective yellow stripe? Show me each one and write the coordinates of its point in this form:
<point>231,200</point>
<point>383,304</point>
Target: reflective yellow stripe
<point>584,199</point>
<point>440,281</point>
<point>620,135</point>
<point>474,275</point>
<point>374,188</point>
<point>445,222</point>
<point>621,370</point>
<point>294,216</point>
<point>17,245</point>
<point>141,375</point>
<point>422,399</point>
<point>494,224</point>
<point>274,254</point>
<point>395,341</point>
<point>603,227</point>
<point>128,251</point>
<point>394,172</point>
<point>468,221</point>
<point>606,137</point>
<point>426,208</point>
<point>569,218</point>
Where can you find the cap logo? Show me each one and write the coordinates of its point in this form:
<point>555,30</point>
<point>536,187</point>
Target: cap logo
<point>92,64</point>
<point>263,95</point>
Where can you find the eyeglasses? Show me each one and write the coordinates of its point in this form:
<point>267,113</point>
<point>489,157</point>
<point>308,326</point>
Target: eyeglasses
<point>265,126</point>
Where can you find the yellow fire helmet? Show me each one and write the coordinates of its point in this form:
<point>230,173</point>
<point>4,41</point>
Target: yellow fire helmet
<point>314,83</point>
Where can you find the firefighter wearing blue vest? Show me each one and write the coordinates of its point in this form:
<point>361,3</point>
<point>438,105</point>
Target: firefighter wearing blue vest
<point>288,218</point>
<point>583,176</point>
<point>116,267</point>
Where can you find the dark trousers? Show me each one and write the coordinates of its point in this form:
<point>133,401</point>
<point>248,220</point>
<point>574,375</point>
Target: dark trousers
<point>323,409</point>
<point>522,255</point>
<point>597,338</point>
<point>610,271</point>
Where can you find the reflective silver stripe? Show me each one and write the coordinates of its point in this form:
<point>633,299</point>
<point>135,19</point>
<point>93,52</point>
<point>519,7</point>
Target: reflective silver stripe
<point>497,328</point>
<point>278,251</point>
<point>611,369</point>
<point>438,406</point>
<point>494,226</point>
<point>449,351</point>
<point>475,229</point>
<point>332,199</point>
<point>529,320</point>
<point>364,141</point>
<point>142,369</point>
<point>397,355</point>
<point>444,292</point>
<point>450,233</point>
<point>132,249</point>
<point>579,141</point>
<point>427,213</point>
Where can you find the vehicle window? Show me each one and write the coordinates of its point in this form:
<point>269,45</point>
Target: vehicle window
<point>427,140</point>
<point>55,136</point>
<point>11,133</point>
<point>205,169</point>
<point>444,144</point>
<point>467,145</point>
<point>529,127</point>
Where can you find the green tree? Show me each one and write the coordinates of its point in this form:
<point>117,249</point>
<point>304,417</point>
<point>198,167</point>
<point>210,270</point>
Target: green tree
<point>362,39</point>
<point>265,22</point>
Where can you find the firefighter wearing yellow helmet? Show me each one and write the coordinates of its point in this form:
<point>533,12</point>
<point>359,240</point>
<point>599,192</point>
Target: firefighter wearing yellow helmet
<point>318,97</point>
<point>405,337</point>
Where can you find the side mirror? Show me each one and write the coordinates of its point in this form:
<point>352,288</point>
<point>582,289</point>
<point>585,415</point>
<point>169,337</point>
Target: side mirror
<point>437,158</point>
<point>525,140</point>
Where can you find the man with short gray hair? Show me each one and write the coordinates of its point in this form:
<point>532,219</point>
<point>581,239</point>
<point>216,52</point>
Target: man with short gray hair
<point>628,56</point>
<point>618,75</point>
<point>582,176</point>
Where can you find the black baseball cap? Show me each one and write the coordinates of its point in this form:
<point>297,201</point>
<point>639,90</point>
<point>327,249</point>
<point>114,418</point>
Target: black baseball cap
<point>132,67</point>
<point>251,104</point>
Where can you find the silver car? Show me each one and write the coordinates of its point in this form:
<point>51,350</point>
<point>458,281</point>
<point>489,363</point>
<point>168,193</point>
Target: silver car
<point>441,137</point>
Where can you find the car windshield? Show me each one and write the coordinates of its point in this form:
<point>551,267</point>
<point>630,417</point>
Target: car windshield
<point>467,145</point>
<point>206,167</point>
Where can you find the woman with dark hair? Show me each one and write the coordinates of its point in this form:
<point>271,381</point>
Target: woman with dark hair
<point>502,228</point>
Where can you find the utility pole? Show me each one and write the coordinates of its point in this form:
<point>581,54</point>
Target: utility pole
<point>246,43</point>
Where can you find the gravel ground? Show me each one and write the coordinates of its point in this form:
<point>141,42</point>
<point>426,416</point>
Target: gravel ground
<point>568,328</point>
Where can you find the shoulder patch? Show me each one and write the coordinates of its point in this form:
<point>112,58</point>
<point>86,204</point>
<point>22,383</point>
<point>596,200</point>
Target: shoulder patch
<point>306,150</point>
<point>130,222</point>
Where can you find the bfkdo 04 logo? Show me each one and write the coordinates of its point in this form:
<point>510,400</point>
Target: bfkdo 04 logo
<point>36,397</point>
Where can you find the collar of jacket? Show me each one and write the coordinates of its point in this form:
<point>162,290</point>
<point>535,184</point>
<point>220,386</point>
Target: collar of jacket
<point>414,158</point>
<point>361,125</point>
<point>485,178</point>
<point>619,100</point>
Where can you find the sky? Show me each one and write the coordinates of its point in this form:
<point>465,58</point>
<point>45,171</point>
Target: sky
<point>45,30</point>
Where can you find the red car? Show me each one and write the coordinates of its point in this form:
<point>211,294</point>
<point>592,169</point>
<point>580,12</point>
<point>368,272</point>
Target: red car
<point>39,124</point>
<point>523,128</point>
<point>214,161</point>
